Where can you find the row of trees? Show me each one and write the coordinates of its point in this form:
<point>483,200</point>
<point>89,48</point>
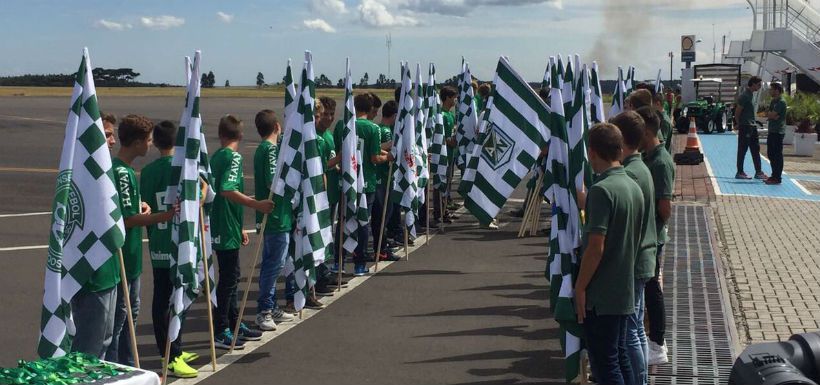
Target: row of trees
<point>103,77</point>
<point>324,82</point>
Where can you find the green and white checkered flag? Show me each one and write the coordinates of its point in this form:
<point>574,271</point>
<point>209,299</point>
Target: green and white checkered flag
<point>467,124</point>
<point>577,131</point>
<point>435,125</point>
<point>289,164</point>
<point>568,82</point>
<point>470,169</point>
<point>546,82</point>
<point>518,129</point>
<point>313,232</point>
<point>562,262</point>
<point>185,189</point>
<point>352,178</point>
<point>596,112</point>
<point>658,84</point>
<point>619,95</point>
<point>86,224</point>
<point>630,81</point>
<point>404,190</point>
<point>420,112</point>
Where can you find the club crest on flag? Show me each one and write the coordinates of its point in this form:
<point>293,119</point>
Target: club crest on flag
<point>67,217</point>
<point>497,148</point>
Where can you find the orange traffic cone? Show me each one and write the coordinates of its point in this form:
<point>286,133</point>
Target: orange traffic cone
<point>691,155</point>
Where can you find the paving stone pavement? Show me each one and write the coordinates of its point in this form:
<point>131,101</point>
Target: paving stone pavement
<point>770,247</point>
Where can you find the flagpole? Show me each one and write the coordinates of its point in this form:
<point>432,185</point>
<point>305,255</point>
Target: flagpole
<point>168,354</point>
<point>340,227</point>
<point>130,317</point>
<point>250,277</point>
<point>387,189</point>
<point>427,205</point>
<point>406,237</point>
<point>207,286</point>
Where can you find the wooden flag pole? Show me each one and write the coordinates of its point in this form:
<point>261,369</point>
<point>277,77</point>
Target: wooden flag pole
<point>529,200</point>
<point>340,227</point>
<point>167,355</point>
<point>207,287</point>
<point>385,203</point>
<point>129,316</point>
<point>406,238</point>
<point>250,278</point>
<point>427,205</point>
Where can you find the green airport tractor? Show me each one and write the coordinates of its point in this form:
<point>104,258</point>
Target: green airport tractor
<point>711,115</point>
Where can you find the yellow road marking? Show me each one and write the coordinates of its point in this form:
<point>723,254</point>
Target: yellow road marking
<point>29,169</point>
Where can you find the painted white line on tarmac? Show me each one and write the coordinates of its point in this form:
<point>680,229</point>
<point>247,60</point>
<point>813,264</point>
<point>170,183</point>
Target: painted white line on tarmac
<point>24,214</point>
<point>32,119</point>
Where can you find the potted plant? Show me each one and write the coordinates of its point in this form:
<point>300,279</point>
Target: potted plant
<point>791,125</point>
<point>807,111</point>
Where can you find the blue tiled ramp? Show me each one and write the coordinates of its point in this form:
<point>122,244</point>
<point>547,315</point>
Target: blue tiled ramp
<point>720,151</point>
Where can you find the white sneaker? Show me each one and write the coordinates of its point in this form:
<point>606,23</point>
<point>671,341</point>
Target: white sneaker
<point>493,225</point>
<point>264,321</point>
<point>657,354</point>
<point>280,316</point>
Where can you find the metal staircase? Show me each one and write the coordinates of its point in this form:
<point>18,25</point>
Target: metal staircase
<point>789,29</point>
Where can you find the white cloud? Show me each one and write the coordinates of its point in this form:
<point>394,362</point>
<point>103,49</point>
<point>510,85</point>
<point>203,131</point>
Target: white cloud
<point>328,6</point>
<point>112,25</point>
<point>319,25</point>
<point>161,22</point>
<point>375,14</point>
<point>224,17</point>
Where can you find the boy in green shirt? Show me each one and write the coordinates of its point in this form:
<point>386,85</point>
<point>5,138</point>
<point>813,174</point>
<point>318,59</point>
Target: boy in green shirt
<point>632,128</point>
<point>774,141</point>
<point>135,137</point>
<point>277,228</point>
<point>604,290</point>
<point>392,223</point>
<point>448,96</point>
<point>662,168</point>
<point>228,235</point>
<point>154,180</point>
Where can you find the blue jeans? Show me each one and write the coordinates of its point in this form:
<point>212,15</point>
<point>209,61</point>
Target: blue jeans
<point>606,344</point>
<point>93,315</point>
<point>636,343</point>
<point>273,260</point>
<point>364,233</point>
<point>120,349</point>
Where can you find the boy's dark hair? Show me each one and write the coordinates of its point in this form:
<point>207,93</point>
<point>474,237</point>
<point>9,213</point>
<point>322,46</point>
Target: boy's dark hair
<point>363,103</point>
<point>230,127</point>
<point>266,122</point>
<point>753,80</point>
<point>397,94</point>
<point>376,100</point>
<point>776,86</point>
<point>544,94</point>
<point>133,128</point>
<point>646,86</point>
<point>165,132</point>
<point>640,98</point>
<point>484,90</point>
<point>447,92</point>
<point>606,140</point>
<point>632,126</point>
<point>390,108</point>
<point>659,98</point>
<point>328,102</point>
<point>106,117</point>
<point>650,119</point>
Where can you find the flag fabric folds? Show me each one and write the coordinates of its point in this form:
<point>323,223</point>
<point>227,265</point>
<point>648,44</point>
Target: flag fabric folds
<point>435,125</point>
<point>467,123</point>
<point>404,190</point>
<point>619,95</point>
<point>420,110</point>
<point>355,201</point>
<point>86,226</point>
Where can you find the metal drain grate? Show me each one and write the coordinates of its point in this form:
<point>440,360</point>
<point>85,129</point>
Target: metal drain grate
<point>697,329</point>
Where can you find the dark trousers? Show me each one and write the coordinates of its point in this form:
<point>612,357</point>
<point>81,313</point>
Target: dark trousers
<point>360,257</point>
<point>774,150</point>
<point>606,344</point>
<point>376,218</point>
<point>747,139</point>
<point>163,287</point>
<point>227,313</point>
<point>655,309</point>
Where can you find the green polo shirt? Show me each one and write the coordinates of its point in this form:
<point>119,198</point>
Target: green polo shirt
<point>614,209</point>
<point>129,194</point>
<point>280,220</point>
<point>747,115</point>
<point>645,262</point>
<point>662,168</point>
<point>777,126</point>
<point>666,130</point>
<point>226,216</point>
<point>327,149</point>
<point>154,180</point>
<point>382,169</point>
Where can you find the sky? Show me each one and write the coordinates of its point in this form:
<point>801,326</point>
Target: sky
<point>240,38</point>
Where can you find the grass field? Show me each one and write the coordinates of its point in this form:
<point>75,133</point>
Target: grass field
<point>220,92</point>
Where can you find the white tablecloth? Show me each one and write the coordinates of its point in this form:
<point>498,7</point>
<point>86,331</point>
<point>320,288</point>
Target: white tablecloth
<point>135,377</point>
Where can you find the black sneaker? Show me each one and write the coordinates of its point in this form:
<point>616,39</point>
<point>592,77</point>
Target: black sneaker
<point>334,282</point>
<point>248,334</point>
<point>324,291</point>
<point>224,340</point>
<point>313,303</point>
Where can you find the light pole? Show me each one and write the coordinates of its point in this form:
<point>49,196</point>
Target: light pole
<point>671,56</point>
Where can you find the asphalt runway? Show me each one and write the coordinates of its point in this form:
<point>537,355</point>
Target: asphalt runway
<point>471,307</point>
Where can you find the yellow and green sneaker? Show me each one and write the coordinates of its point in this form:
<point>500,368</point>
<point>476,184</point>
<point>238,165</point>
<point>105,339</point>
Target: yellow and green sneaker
<point>180,369</point>
<point>189,357</point>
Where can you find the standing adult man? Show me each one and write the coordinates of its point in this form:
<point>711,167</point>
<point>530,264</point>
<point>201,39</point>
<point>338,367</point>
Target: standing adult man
<point>747,130</point>
<point>774,141</point>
